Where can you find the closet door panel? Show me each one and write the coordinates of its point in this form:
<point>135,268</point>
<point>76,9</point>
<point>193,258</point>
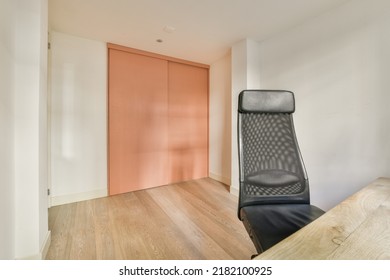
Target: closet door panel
<point>138,122</point>
<point>188,122</point>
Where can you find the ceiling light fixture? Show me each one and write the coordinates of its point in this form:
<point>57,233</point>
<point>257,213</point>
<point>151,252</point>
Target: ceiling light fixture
<point>169,29</point>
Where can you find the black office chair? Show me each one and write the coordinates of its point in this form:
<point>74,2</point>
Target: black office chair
<point>274,199</point>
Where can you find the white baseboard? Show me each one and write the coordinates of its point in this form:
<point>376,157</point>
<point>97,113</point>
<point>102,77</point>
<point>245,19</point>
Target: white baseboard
<point>219,178</point>
<point>46,245</point>
<point>43,251</point>
<point>234,190</point>
<point>70,198</point>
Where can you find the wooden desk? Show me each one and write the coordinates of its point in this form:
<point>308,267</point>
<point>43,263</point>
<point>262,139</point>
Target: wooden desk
<point>357,228</point>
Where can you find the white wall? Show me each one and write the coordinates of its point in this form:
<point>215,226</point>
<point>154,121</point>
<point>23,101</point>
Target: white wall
<point>23,162</point>
<point>338,65</point>
<point>245,75</point>
<point>31,216</point>
<point>7,185</point>
<point>43,148</point>
<point>220,120</point>
<point>78,118</point>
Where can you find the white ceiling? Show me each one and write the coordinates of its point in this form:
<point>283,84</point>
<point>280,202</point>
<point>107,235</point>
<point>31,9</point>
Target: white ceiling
<point>204,30</point>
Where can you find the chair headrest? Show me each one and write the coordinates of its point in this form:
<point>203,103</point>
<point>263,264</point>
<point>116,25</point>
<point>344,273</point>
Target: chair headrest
<point>266,101</point>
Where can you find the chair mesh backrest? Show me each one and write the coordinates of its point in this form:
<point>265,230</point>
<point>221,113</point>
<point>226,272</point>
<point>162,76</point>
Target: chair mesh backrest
<point>271,167</point>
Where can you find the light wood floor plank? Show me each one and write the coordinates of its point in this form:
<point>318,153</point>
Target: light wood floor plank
<point>190,220</point>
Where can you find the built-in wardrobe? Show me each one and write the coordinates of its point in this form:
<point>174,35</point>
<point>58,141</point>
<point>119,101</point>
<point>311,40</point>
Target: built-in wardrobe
<point>157,120</point>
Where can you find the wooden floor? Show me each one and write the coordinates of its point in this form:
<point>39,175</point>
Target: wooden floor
<point>186,221</point>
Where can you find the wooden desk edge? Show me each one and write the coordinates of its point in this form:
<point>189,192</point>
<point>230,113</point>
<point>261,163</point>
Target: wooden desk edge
<point>275,252</point>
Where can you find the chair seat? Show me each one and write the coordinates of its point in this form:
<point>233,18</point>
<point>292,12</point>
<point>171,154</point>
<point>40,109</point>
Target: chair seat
<point>270,224</point>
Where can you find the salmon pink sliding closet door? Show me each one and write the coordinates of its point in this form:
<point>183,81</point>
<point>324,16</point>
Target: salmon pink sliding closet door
<point>188,122</point>
<point>138,122</point>
<point>157,120</point>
